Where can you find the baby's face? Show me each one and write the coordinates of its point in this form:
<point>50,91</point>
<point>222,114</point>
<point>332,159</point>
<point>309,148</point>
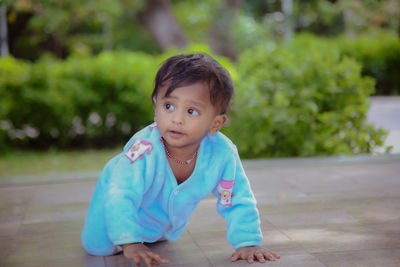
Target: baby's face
<point>186,116</point>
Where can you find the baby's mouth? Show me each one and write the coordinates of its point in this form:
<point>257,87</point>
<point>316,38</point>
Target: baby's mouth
<point>175,133</point>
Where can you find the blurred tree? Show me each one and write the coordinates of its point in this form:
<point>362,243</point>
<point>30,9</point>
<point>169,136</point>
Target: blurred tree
<point>369,15</point>
<point>318,16</point>
<point>60,26</point>
<point>158,19</point>
<point>220,37</point>
<point>287,8</point>
<point>3,31</point>
<point>64,27</point>
<point>325,17</point>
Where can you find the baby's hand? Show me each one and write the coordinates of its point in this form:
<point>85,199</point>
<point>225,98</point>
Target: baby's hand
<point>251,253</point>
<point>138,252</point>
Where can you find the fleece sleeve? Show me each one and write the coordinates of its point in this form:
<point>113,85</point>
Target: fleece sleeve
<point>122,200</point>
<point>240,212</point>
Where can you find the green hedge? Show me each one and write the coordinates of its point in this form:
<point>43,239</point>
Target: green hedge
<point>78,102</point>
<point>302,99</point>
<point>379,55</point>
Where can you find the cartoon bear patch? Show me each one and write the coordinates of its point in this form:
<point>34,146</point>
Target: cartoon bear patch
<point>139,148</point>
<point>225,191</point>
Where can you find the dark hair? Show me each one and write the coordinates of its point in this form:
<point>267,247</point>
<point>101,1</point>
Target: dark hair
<point>184,70</point>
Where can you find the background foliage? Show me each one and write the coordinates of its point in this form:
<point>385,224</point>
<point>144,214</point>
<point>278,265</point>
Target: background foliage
<point>300,100</point>
<point>76,102</point>
<point>79,102</point>
<point>379,55</point>
<point>80,74</point>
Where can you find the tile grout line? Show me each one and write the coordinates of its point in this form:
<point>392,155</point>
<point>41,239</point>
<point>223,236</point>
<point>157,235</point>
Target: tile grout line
<point>197,245</point>
<point>300,244</point>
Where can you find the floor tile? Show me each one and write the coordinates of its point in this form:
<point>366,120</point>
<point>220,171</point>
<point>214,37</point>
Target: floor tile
<point>291,260</point>
<point>181,253</point>
<point>5,247</point>
<point>205,216</point>
<point>313,213</point>
<point>50,227</point>
<point>58,215</point>
<point>365,258</point>
<point>374,210</point>
<point>118,261</point>
<point>61,194</point>
<point>309,218</point>
<point>37,256</point>
<point>9,225</point>
<point>184,251</point>
<point>84,261</point>
<point>341,238</point>
<point>15,195</point>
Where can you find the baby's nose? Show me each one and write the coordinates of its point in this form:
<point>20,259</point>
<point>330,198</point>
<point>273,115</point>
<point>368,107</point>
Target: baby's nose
<point>178,117</point>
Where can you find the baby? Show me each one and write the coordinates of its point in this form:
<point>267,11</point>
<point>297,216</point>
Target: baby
<point>147,192</point>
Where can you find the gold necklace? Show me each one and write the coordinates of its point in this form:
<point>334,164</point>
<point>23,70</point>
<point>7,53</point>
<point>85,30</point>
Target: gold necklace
<point>182,162</point>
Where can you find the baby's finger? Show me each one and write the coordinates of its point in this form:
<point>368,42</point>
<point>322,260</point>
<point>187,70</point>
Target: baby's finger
<point>271,256</point>
<point>153,258</point>
<point>250,259</point>
<point>158,258</point>
<point>162,260</point>
<point>235,257</point>
<point>136,260</point>
<point>260,257</point>
<point>276,255</point>
<point>148,260</point>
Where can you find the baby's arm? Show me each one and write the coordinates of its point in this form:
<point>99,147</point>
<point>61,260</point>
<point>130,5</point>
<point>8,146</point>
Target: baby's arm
<point>139,252</point>
<point>254,252</point>
<point>242,217</point>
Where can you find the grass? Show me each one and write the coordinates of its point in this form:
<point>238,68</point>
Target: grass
<point>34,162</point>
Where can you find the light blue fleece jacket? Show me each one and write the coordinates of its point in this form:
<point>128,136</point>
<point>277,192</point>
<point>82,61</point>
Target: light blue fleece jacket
<point>137,198</point>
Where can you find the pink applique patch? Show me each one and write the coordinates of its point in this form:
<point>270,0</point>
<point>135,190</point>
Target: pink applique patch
<point>139,148</point>
<point>225,191</point>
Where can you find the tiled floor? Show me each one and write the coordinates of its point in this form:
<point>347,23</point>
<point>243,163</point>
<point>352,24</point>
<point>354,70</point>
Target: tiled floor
<point>315,212</point>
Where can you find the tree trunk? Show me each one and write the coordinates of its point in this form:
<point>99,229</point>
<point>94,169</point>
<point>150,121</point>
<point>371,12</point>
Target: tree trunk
<point>220,38</point>
<point>107,35</point>
<point>4,51</point>
<point>348,14</point>
<point>158,19</point>
<point>287,8</point>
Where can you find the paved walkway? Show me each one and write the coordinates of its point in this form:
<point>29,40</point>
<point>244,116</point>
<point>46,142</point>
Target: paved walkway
<point>341,211</point>
<point>315,212</point>
<point>385,113</point>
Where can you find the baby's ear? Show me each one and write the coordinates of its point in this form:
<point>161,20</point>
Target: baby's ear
<point>219,121</point>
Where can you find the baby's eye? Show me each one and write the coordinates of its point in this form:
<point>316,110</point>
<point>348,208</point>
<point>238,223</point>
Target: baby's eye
<point>193,112</point>
<point>169,107</point>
